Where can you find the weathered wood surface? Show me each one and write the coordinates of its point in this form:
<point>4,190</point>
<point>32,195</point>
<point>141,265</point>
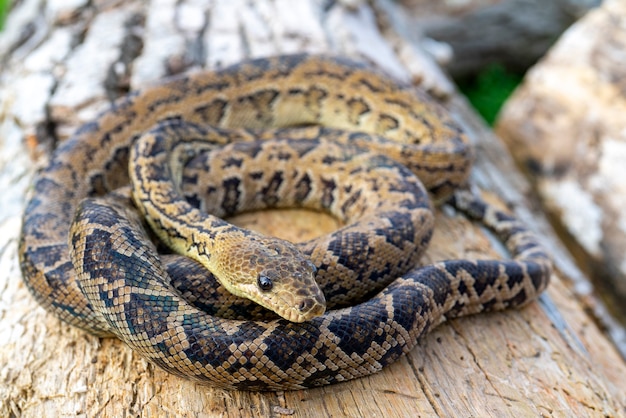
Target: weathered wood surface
<point>566,127</point>
<point>60,62</point>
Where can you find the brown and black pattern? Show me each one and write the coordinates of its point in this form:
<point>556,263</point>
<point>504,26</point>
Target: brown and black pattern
<point>385,205</point>
<point>115,283</point>
<point>277,354</point>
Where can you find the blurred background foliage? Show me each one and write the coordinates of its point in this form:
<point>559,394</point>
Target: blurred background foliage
<point>488,89</point>
<point>4,8</point>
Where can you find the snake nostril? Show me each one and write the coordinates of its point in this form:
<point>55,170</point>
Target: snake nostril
<point>305,305</point>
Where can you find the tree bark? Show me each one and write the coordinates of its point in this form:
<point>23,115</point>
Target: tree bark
<point>62,62</point>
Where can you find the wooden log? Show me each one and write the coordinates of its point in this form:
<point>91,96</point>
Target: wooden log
<point>62,63</point>
<point>565,126</point>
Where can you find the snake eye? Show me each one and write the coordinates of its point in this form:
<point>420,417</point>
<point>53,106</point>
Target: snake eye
<point>309,264</point>
<point>265,283</point>
<point>275,248</point>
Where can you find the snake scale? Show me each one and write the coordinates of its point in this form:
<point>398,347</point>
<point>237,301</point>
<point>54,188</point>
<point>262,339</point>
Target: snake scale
<point>87,255</point>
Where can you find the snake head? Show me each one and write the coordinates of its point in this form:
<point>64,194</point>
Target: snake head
<point>272,273</point>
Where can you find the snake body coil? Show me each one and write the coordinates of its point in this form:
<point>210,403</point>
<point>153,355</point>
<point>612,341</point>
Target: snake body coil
<point>115,283</point>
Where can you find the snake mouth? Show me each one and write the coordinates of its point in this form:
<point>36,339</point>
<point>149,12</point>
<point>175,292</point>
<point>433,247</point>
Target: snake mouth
<point>301,310</point>
<point>304,311</point>
<point>311,308</point>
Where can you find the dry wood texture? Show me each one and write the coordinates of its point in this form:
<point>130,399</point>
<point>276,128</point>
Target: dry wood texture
<point>565,126</point>
<point>63,60</point>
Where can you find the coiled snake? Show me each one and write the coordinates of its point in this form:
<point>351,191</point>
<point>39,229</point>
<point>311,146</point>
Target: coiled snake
<point>116,284</point>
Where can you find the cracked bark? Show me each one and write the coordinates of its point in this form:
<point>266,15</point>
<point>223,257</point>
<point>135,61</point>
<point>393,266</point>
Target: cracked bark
<point>547,359</point>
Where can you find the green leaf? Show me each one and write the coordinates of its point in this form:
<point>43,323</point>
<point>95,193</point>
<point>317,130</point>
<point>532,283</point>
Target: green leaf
<point>489,89</point>
<point>4,9</point>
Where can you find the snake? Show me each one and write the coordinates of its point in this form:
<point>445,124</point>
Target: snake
<point>89,255</point>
